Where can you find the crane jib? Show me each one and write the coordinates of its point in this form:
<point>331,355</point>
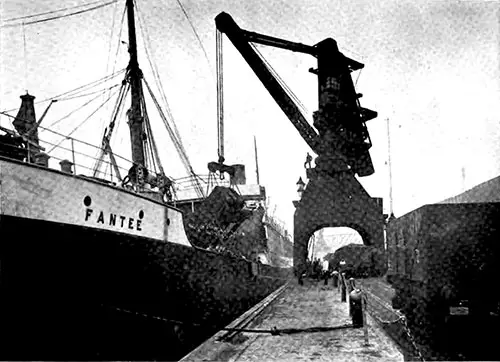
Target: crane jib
<point>339,110</point>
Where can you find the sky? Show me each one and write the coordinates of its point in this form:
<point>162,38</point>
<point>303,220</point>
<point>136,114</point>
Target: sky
<point>431,72</point>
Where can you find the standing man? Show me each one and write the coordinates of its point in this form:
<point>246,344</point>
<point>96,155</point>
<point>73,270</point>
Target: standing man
<point>325,271</point>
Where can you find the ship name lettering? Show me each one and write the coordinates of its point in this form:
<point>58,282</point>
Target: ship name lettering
<point>88,212</point>
<point>126,222</point>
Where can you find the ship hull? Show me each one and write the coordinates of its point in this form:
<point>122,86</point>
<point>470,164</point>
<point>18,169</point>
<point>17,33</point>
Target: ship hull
<point>75,292</point>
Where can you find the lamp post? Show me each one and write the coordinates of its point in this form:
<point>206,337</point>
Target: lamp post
<point>300,190</point>
<point>300,187</point>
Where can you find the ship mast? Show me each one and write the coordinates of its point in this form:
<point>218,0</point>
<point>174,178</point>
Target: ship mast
<point>135,113</point>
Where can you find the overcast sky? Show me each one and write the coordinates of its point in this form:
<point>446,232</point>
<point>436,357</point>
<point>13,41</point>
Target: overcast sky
<point>431,68</point>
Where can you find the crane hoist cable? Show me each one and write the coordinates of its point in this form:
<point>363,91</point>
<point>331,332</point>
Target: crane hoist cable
<point>220,96</point>
<point>220,91</point>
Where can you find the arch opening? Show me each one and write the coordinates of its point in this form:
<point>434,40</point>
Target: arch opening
<point>327,241</point>
<point>342,249</point>
<point>335,201</point>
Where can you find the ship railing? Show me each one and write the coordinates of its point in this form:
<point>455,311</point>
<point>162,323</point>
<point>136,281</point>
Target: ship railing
<point>189,181</point>
<point>80,158</point>
<point>74,156</point>
<point>189,184</point>
<point>84,156</point>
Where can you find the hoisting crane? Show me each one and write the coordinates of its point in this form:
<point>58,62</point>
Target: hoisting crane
<point>333,196</point>
<point>342,140</point>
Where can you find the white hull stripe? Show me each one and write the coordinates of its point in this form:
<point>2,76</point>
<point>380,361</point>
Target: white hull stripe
<point>32,192</point>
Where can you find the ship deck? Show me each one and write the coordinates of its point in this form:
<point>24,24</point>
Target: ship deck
<point>313,325</point>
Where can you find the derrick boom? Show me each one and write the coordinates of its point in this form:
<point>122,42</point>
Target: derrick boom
<point>238,37</point>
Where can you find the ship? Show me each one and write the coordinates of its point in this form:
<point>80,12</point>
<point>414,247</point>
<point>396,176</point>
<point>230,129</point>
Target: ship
<point>93,269</point>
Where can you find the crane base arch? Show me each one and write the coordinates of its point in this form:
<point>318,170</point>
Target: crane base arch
<point>337,200</point>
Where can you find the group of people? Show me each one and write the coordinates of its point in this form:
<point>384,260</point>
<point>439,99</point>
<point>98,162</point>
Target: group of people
<point>318,270</point>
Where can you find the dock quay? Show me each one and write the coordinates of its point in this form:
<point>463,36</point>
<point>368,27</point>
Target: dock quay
<point>296,323</point>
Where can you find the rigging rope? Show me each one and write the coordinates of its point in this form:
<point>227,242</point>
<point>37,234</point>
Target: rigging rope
<point>76,110</point>
<point>77,90</point>
<point>118,45</point>
<point>171,126</point>
<point>67,136</point>
<point>85,120</point>
<point>121,139</point>
<point>59,16</point>
<point>25,59</point>
<point>85,86</point>
<point>52,11</point>
<point>286,88</point>
<point>157,78</point>
<point>196,35</point>
<point>111,36</point>
<point>180,149</point>
<point>119,36</point>
<point>103,90</point>
<point>176,142</point>
<point>125,87</point>
<point>155,155</point>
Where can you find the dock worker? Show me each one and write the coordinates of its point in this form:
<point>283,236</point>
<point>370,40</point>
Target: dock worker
<point>325,271</point>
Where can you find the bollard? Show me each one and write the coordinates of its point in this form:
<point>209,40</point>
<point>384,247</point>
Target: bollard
<point>301,278</point>
<point>365,323</point>
<point>356,308</point>
<point>352,284</point>
<point>335,279</point>
<point>350,288</point>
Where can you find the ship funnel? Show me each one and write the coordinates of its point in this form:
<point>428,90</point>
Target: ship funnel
<point>238,178</point>
<point>25,120</point>
<point>66,166</point>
